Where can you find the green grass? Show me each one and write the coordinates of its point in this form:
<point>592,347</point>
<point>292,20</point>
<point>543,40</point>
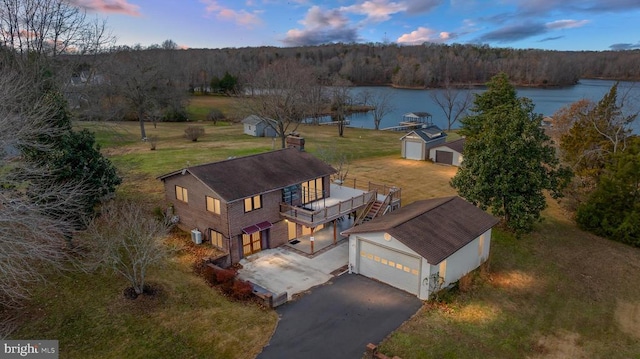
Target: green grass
<point>557,293</point>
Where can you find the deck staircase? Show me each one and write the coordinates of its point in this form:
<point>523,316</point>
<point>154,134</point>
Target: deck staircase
<point>374,209</point>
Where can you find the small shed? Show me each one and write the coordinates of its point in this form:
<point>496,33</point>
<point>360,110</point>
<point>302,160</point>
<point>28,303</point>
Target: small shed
<point>450,153</point>
<point>424,246</point>
<point>417,143</point>
<point>259,126</point>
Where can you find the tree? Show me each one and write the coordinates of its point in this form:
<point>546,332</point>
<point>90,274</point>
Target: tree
<point>612,210</point>
<point>281,93</point>
<point>509,161</point>
<point>32,240</point>
<point>129,241</point>
<point>382,105</point>
<point>340,103</point>
<point>454,102</point>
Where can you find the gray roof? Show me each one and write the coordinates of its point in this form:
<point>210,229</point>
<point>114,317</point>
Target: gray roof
<point>428,133</point>
<point>242,177</point>
<point>457,145</point>
<point>434,228</point>
<point>254,120</point>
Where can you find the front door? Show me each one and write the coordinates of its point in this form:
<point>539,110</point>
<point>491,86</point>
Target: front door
<point>251,243</point>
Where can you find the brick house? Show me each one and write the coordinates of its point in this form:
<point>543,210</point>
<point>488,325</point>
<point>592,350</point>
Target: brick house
<point>247,204</point>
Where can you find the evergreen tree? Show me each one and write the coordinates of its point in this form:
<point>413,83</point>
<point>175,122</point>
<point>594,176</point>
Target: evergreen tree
<point>508,159</point>
<point>613,209</point>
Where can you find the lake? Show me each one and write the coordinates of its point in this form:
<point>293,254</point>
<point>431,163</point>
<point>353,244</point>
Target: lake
<point>547,101</point>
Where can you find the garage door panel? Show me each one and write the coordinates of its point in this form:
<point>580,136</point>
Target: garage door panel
<point>444,157</point>
<point>413,150</point>
<point>389,266</point>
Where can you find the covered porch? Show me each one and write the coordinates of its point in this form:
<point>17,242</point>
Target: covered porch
<point>324,238</point>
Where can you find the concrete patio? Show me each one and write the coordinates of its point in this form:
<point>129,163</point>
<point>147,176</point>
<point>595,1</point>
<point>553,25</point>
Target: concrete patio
<point>282,270</point>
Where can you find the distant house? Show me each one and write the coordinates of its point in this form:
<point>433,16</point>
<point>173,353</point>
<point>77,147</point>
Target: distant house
<point>449,153</point>
<point>259,126</point>
<point>424,246</point>
<point>417,143</point>
<point>247,204</point>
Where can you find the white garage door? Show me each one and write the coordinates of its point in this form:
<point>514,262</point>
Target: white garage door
<point>413,150</point>
<point>389,266</point>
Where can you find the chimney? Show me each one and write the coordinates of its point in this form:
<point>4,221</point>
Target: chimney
<point>295,141</point>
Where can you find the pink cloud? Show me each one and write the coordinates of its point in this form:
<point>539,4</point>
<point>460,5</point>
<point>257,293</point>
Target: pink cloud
<point>423,34</point>
<point>240,17</point>
<point>376,10</point>
<point>109,6</point>
<point>566,24</point>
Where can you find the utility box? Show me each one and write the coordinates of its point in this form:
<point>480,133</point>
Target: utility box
<point>196,236</point>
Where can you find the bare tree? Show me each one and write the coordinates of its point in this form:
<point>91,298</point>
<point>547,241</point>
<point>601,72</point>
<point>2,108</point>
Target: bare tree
<point>453,101</point>
<point>129,240</point>
<point>382,104</point>
<point>281,92</point>
<point>340,103</point>
<point>32,241</point>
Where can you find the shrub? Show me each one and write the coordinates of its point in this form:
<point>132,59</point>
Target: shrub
<point>215,115</point>
<point>153,142</point>
<point>224,276</point>
<point>194,132</point>
<point>241,290</point>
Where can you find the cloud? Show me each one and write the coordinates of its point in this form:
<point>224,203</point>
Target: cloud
<point>423,34</point>
<point>109,6</point>
<point>421,6</point>
<point>376,10</point>
<point>566,24</point>
<point>240,17</point>
<point>514,33</point>
<point>625,46</point>
<point>550,38</point>
<point>544,7</point>
<point>321,27</point>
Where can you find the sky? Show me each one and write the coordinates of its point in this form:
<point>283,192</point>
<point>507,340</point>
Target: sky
<point>572,25</point>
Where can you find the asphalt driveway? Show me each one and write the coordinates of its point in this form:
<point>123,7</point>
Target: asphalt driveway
<point>338,319</point>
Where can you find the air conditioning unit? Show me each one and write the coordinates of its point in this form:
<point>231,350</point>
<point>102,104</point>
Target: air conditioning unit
<point>196,236</point>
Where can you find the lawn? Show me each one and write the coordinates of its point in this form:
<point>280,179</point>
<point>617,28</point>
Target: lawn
<point>556,293</point>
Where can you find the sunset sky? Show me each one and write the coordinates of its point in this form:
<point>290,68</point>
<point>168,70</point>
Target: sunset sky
<point>544,24</point>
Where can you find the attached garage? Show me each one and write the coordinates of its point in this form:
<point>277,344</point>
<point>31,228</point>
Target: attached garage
<point>395,267</point>
<point>422,247</point>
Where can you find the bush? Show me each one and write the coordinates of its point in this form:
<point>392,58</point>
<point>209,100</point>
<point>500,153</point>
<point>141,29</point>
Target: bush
<point>194,132</point>
<point>224,276</point>
<point>215,115</point>
<point>241,290</point>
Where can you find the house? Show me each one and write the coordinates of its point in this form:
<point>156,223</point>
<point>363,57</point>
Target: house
<point>244,205</point>
<point>417,143</point>
<point>259,126</point>
<point>449,153</point>
<point>424,246</point>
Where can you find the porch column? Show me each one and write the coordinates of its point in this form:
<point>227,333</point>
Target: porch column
<point>335,231</point>
<point>311,239</point>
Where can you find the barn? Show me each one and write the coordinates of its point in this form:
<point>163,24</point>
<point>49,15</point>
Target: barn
<point>449,153</point>
<point>417,143</point>
<point>422,247</point>
<point>259,126</point>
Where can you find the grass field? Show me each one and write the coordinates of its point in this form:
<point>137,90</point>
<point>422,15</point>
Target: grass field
<point>557,293</point>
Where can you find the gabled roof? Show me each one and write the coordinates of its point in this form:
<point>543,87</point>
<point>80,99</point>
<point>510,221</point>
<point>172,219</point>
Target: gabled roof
<point>434,228</point>
<point>428,133</point>
<point>457,145</point>
<point>242,177</point>
<point>254,120</point>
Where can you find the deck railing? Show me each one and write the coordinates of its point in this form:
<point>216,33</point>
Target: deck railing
<point>312,218</point>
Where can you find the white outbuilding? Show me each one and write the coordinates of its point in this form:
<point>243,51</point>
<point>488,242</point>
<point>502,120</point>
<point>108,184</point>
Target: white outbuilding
<point>422,247</point>
<point>259,126</point>
<point>449,153</point>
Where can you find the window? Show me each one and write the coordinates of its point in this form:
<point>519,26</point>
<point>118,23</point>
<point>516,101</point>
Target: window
<point>216,239</point>
<point>312,190</point>
<point>252,203</point>
<point>213,205</point>
<point>181,194</point>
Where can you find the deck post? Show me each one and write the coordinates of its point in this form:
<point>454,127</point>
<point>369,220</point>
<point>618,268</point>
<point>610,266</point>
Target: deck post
<point>311,239</point>
<point>335,231</point>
